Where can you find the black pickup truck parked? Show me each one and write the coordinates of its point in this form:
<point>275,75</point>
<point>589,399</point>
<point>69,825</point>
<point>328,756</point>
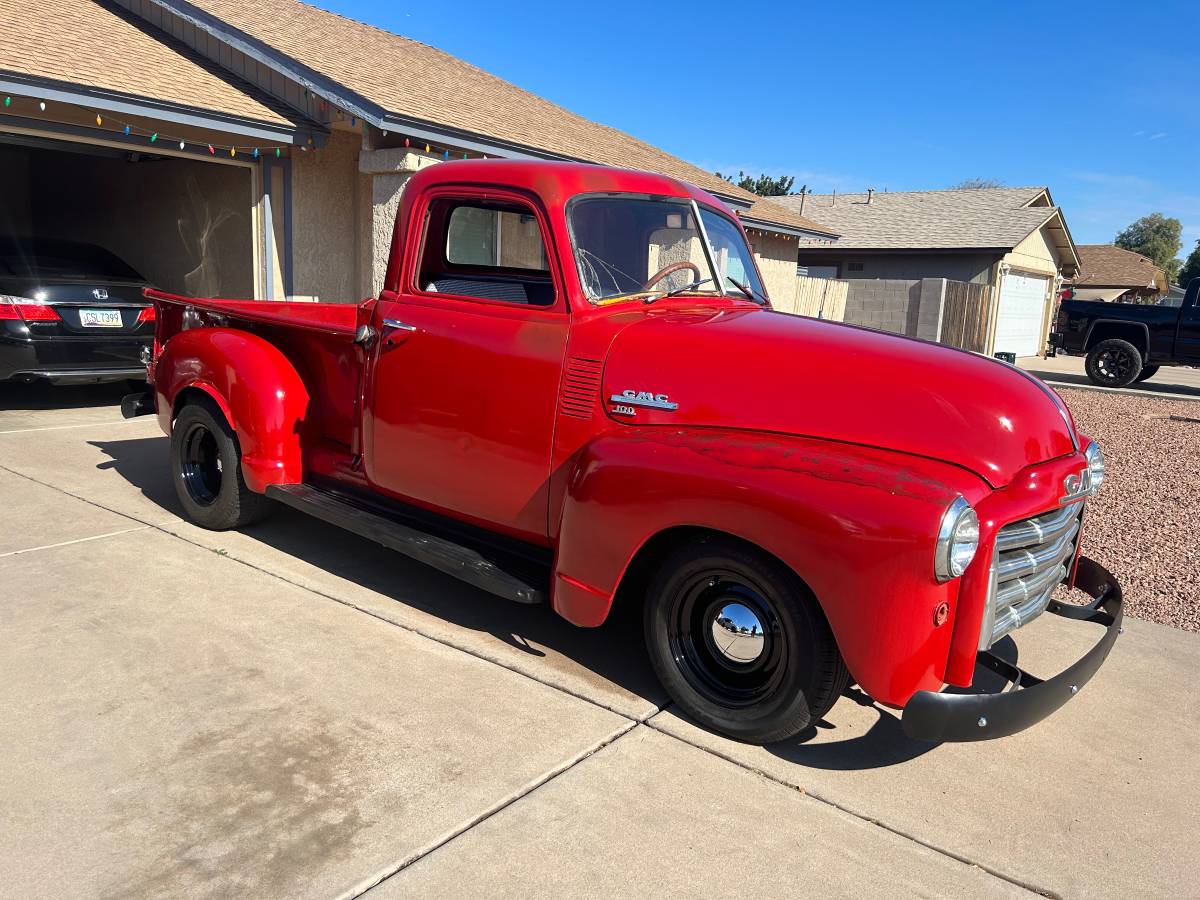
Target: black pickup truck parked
<point>1128,342</point>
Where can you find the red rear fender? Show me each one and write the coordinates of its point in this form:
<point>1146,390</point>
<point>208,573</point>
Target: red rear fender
<point>857,525</point>
<point>256,387</point>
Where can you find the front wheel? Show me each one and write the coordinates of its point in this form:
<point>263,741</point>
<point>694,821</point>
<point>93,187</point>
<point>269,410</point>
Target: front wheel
<point>740,643</point>
<point>1113,363</point>
<point>206,466</point>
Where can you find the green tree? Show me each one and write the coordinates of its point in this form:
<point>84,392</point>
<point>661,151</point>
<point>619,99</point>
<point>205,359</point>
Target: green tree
<point>1191,267</point>
<point>1156,237</point>
<point>763,185</point>
<point>968,184</point>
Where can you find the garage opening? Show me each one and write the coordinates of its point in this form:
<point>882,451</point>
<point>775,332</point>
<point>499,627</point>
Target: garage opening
<point>184,225</point>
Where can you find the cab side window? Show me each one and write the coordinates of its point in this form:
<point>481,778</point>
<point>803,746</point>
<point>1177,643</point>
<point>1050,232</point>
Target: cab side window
<point>486,250</point>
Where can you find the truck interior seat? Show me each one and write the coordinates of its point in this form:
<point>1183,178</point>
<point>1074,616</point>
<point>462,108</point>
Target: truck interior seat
<point>535,293</point>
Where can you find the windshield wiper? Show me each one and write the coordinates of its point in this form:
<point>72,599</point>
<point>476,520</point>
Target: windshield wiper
<point>749,292</point>
<point>680,290</point>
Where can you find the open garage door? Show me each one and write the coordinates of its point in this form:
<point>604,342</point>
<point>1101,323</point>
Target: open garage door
<point>1020,314</point>
<point>182,224</point>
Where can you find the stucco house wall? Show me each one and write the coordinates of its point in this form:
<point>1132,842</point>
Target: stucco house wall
<point>1036,253</point>
<point>325,220</point>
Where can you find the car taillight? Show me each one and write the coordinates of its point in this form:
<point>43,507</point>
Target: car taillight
<point>146,315</point>
<point>21,310</point>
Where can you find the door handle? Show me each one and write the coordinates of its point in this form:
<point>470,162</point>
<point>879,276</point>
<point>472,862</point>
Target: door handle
<point>398,325</point>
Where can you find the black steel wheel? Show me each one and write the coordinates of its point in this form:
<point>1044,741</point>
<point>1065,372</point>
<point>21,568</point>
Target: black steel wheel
<point>201,466</point>
<point>206,463</point>
<point>740,643</point>
<point>1113,363</point>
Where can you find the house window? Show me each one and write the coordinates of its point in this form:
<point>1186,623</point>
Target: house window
<point>854,267</point>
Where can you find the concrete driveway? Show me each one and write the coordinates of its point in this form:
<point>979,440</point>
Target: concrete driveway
<point>290,711</point>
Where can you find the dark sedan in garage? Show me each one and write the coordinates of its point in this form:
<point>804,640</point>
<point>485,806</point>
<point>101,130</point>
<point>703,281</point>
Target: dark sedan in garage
<point>70,313</point>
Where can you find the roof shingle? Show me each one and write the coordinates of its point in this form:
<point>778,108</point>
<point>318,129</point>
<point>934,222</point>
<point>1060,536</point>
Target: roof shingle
<point>909,220</point>
<point>1103,265</point>
<point>96,45</point>
<point>412,79</point>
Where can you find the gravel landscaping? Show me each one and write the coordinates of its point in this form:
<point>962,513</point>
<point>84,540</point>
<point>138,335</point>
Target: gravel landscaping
<point>1143,524</point>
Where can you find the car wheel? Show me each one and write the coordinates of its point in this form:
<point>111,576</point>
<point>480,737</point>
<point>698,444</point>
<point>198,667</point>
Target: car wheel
<point>1147,372</point>
<point>740,643</point>
<point>207,471</point>
<point>1113,363</point>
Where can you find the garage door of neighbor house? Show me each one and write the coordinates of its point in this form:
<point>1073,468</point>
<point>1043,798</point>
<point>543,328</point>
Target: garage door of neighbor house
<point>1019,314</point>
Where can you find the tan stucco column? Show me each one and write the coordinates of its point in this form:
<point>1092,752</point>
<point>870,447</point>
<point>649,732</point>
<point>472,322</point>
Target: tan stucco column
<point>386,172</point>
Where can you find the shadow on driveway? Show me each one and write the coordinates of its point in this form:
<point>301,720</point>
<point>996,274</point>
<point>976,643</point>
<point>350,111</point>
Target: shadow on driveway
<point>614,652</point>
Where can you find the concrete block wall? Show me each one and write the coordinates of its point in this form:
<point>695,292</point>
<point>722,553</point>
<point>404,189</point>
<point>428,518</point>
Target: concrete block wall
<point>888,304</point>
<point>903,306</point>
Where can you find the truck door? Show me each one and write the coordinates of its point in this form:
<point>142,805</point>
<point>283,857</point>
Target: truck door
<point>465,384</point>
<point>1187,339</point>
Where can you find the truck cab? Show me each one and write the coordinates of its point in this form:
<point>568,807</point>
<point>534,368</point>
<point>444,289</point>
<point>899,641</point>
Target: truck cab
<point>572,390</point>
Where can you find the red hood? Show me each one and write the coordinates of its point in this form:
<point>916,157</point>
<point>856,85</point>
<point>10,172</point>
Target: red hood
<point>768,371</point>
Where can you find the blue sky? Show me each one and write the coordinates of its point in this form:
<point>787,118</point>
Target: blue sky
<point>1090,99</point>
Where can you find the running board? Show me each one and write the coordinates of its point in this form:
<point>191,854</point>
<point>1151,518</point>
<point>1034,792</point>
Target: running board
<point>446,556</point>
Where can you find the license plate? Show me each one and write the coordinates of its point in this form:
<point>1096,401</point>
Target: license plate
<point>100,318</point>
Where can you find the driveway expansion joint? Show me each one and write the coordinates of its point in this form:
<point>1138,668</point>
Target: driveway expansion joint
<point>503,804</point>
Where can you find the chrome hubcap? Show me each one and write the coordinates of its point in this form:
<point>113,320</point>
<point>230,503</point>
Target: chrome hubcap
<point>737,633</point>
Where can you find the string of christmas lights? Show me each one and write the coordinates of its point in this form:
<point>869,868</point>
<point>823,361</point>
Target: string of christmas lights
<point>132,131</point>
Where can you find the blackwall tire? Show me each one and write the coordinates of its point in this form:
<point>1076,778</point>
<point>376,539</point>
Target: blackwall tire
<point>207,472</point>
<point>750,685</point>
<point>1113,363</point>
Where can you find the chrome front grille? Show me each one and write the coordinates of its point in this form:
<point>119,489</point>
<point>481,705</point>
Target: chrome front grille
<point>1032,557</point>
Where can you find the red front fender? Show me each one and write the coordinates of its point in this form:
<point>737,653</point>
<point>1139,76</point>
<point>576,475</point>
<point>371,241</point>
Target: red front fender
<point>857,525</point>
<point>256,387</point>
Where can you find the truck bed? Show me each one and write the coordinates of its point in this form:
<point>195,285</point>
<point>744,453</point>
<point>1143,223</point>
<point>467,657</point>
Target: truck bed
<point>330,318</point>
<point>316,338</point>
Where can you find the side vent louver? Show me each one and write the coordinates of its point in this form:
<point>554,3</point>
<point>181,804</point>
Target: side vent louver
<point>580,387</point>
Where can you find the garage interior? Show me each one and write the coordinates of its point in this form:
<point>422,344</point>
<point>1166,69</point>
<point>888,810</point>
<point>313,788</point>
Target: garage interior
<point>184,224</point>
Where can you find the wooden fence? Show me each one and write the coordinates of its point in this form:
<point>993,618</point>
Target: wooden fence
<point>965,315</point>
<point>819,298</point>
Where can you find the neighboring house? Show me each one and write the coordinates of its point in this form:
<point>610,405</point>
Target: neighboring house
<point>1014,240</point>
<point>259,149</point>
<point>1112,273</point>
<point>1174,297</point>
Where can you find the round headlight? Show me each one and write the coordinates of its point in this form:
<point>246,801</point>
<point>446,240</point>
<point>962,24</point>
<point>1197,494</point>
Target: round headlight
<point>1095,461</point>
<point>958,539</point>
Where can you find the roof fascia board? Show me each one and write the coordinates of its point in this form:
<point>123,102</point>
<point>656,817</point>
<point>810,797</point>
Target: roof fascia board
<point>790,230</point>
<point>316,83</point>
<point>144,107</point>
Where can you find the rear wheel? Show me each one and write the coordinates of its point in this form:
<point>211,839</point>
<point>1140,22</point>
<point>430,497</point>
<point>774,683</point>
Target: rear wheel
<point>740,643</point>
<point>206,465</point>
<point>1147,372</point>
<point>1113,363</point>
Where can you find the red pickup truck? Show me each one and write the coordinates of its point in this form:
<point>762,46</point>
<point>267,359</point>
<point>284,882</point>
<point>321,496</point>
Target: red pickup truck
<point>572,390</point>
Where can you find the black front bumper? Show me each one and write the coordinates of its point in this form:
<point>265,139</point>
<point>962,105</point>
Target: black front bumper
<point>1026,699</point>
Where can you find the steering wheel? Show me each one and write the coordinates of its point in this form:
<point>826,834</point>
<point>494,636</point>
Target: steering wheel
<point>671,270</point>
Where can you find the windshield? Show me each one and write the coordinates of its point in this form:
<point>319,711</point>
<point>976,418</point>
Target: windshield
<point>637,246</point>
